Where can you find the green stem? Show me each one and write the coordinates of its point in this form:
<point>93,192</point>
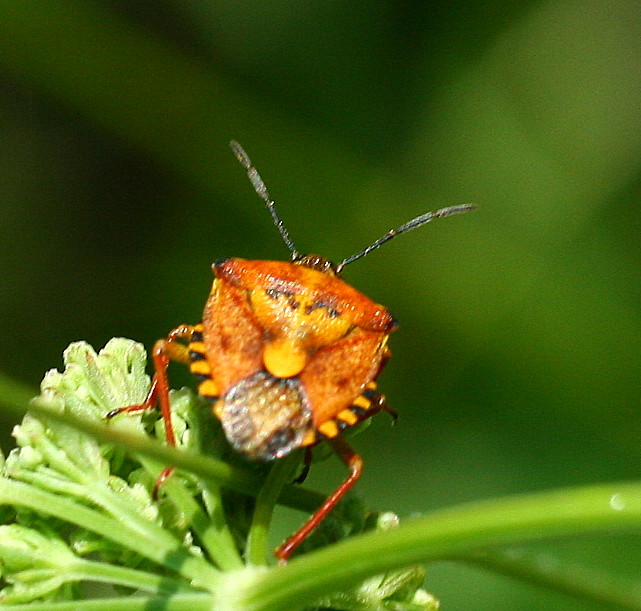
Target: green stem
<point>454,531</point>
<point>88,570</point>
<point>282,471</point>
<point>158,545</point>
<point>84,485</point>
<point>218,542</point>
<point>179,602</point>
<point>549,572</point>
<point>213,502</point>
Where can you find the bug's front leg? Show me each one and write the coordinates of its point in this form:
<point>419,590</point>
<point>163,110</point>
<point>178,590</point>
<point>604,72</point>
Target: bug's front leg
<point>164,351</point>
<point>355,465</point>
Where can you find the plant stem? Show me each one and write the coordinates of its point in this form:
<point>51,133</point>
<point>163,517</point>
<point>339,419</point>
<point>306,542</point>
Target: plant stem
<point>281,472</point>
<point>549,572</point>
<point>156,544</point>
<point>88,570</point>
<point>179,602</point>
<point>459,530</point>
<point>217,540</point>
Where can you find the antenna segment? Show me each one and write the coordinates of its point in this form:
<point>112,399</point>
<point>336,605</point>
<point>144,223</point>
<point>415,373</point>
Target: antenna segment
<point>261,189</point>
<point>413,224</point>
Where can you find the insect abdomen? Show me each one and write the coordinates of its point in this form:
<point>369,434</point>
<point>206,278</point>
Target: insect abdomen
<point>265,417</point>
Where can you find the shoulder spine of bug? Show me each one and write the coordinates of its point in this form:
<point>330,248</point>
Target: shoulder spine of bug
<point>286,352</point>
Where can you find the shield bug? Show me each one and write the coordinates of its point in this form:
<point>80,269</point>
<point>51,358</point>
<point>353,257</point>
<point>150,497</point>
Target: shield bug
<point>287,353</point>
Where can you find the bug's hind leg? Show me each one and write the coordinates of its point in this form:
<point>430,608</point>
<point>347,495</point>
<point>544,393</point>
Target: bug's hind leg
<point>355,465</point>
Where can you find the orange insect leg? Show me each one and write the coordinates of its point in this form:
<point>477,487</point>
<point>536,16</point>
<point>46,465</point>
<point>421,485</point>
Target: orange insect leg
<point>164,350</point>
<point>355,465</point>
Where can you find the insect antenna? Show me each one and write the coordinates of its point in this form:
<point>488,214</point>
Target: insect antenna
<point>413,224</point>
<point>261,189</point>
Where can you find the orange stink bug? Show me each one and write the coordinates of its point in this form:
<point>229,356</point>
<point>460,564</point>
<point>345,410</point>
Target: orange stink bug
<point>286,352</point>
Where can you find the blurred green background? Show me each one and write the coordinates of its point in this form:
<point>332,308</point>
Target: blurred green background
<point>516,367</point>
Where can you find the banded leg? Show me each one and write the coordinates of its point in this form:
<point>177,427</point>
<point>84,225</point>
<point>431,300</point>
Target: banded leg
<point>355,465</point>
<point>164,351</point>
<point>366,405</point>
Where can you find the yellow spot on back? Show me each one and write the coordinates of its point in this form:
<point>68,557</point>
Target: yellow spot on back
<point>284,358</point>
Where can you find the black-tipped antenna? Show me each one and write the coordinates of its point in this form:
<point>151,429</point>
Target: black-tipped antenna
<point>261,189</point>
<point>413,224</point>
